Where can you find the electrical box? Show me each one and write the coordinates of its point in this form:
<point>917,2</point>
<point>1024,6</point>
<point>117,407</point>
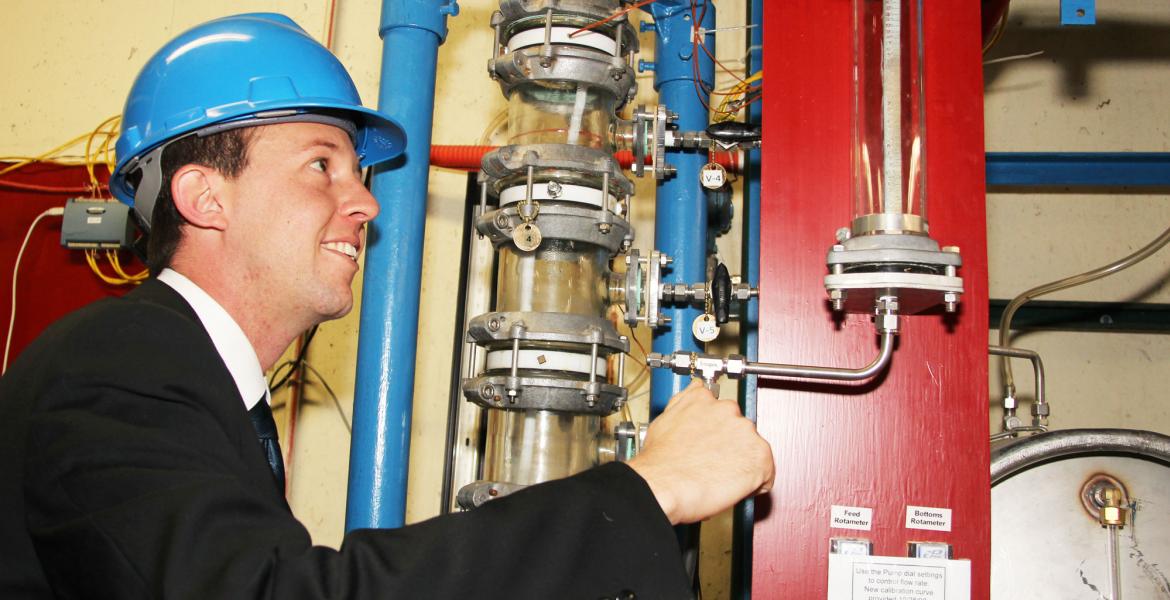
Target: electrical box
<point>96,224</point>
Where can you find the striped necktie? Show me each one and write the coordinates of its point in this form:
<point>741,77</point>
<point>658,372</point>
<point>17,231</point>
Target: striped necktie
<point>261,415</point>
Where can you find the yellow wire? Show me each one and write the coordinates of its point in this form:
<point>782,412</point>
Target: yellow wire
<point>733,95</point>
<point>93,266</point>
<point>59,160</point>
<point>47,155</point>
<point>92,155</point>
<point>116,262</point>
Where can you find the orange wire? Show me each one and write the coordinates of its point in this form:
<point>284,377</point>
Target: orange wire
<point>329,25</point>
<point>615,15</point>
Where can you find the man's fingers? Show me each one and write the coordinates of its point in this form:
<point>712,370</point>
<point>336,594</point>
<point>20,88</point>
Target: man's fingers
<point>687,392</point>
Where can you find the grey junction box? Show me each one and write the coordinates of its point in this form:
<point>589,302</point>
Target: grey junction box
<point>92,223</point>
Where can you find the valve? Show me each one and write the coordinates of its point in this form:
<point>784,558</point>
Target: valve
<point>644,294</point>
<point>716,297</point>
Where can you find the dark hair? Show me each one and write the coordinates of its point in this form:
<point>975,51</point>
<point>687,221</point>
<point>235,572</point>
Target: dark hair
<point>226,152</point>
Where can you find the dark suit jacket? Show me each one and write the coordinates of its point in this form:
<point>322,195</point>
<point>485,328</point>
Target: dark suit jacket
<point>130,469</point>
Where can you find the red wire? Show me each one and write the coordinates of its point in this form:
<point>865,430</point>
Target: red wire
<point>32,187</point>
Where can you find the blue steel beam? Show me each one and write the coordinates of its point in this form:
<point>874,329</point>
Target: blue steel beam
<point>745,512</point>
<point>411,32</point>
<point>680,222</point>
<point>1101,169</point>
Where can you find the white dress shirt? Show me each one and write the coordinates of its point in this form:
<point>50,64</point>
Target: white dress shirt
<point>231,343</point>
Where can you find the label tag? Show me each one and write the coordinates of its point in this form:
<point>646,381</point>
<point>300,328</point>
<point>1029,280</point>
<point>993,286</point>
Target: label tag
<point>526,237</point>
<point>93,220</point>
<point>925,517</point>
<point>712,176</point>
<point>705,327</point>
<point>851,517</point>
<point>853,577</point>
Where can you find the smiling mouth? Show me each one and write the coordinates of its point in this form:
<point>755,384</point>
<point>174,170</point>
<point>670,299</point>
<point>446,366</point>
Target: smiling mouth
<point>342,248</point>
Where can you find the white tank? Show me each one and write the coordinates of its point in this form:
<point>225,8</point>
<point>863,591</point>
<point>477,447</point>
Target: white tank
<point>1046,538</point>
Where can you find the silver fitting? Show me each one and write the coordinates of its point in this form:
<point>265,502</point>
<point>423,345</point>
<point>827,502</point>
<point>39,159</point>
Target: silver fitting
<point>886,314</point>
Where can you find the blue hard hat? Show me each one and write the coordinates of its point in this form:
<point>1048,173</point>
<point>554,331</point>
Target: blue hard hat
<point>243,70</point>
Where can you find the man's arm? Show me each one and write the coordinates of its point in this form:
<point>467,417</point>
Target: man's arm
<point>139,485</point>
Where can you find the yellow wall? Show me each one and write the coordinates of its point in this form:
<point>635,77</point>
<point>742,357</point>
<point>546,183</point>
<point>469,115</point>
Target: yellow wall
<point>68,65</point>
<point>1101,89</point>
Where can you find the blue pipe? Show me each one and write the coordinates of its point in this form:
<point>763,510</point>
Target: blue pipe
<point>745,512</point>
<point>411,32</point>
<point>680,222</point>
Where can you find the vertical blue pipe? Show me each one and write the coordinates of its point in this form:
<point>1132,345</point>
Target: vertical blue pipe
<point>680,222</point>
<point>744,517</point>
<point>411,32</point>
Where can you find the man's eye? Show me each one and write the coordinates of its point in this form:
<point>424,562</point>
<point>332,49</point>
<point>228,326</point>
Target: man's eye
<point>320,164</point>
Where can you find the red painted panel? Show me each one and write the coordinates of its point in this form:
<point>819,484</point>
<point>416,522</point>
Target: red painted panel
<point>52,280</point>
<point>918,434</point>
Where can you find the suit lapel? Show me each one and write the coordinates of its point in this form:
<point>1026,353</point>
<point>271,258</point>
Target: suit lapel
<point>156,292</point>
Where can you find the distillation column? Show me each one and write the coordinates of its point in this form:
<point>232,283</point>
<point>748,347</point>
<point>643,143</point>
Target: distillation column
<point>545,374</point>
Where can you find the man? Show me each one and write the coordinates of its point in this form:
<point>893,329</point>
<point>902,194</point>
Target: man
<point>135,434</point>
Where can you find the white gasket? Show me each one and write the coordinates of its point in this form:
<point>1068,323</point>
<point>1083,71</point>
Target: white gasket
<point>549,360</point>
<point>560,35</point>
<point>569,193</point>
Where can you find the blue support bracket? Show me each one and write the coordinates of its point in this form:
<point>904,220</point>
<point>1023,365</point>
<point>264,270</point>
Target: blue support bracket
<point>1081,169</point>
<point>1078,12</point>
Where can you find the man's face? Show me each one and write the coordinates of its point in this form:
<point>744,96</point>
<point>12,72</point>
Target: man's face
<point>298,215</point>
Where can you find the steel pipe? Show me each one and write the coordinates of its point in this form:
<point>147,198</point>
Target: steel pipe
<point>1040,406</point>
<point>680,205</point>
<point>830,373</point>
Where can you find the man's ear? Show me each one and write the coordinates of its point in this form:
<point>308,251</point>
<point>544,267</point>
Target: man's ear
<point>196,191</point>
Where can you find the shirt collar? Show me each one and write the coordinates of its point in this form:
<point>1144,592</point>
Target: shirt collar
<point>233,346</point>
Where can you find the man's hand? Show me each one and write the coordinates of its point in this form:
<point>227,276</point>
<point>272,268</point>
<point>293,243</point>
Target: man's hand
<point>701,456</point>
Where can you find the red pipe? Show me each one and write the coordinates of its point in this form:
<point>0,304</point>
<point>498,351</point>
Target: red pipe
<point>468,158</point>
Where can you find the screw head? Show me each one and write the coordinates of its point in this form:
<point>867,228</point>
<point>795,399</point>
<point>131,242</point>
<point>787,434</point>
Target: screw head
<point>604,227</point>
<point>843,234</point>
<point>554,189</point>
<point>494,324</point>
<point>488,391</point>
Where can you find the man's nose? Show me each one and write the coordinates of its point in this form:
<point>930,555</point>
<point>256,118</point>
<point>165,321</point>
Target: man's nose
<point>359,203</point>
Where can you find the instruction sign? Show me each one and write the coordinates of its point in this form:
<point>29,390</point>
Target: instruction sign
<point>894,578</point>
<point>851,517</point>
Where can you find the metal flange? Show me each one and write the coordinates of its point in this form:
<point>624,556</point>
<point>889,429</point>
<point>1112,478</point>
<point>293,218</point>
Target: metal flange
<point>497,329</point>
<point>514,161</point>
<point>558,49</point>
<point>513,10</point>
<point>478,493</point>
<point>560,222</point>
<point>543,392</point>
<point>565,63</point>
<point>910,266</point>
